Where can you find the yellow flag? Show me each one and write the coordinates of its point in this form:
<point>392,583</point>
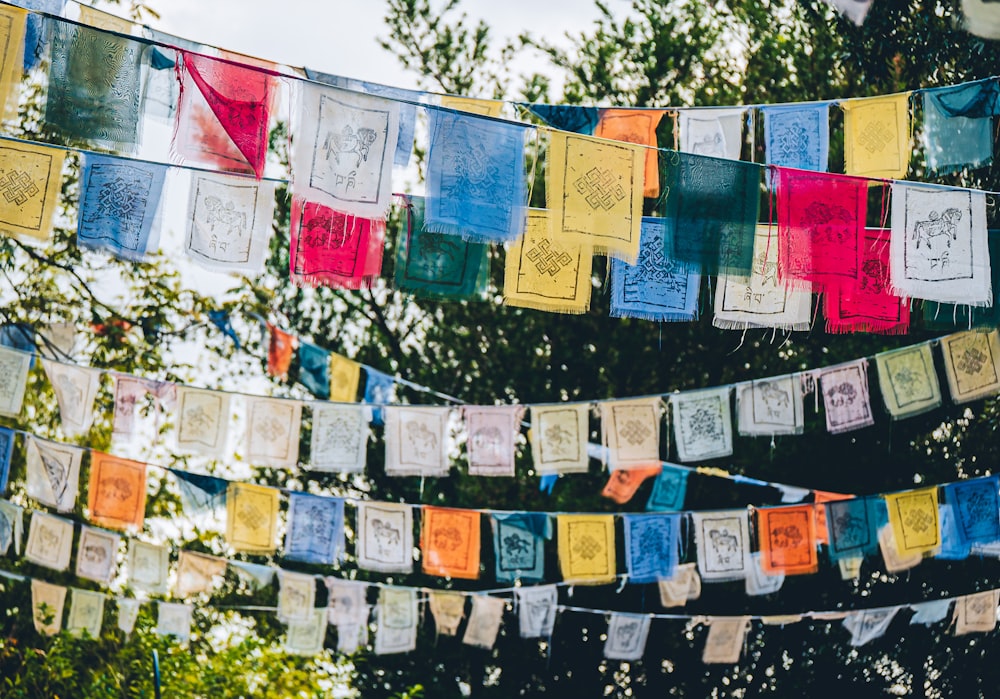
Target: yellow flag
<point>473,105</point>
<point>12,23</point>
<point>587,548</point>
<point>104,20</point>
<point>547,274</point>
<point>251,517</point>
<point>345,374</point>
<point>595,193</point>
<point>877,136</point>
<point>30,180</point>
<point>914,518</point>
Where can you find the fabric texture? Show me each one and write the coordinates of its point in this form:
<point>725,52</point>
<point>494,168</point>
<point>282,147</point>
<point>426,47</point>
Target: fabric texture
<point>314,369</point>
<point>202,421</point>
<point>636,126</point>
<point>86,613</point>
<point>251,517</point>
<point>760,582</point>
<point>50,541</point>
<point>908,381</point>
<point>711,131</point>
<point>845,397</point>
<point>345,375</point>
<point>630,431</point>
<point>536,610</point>
<point>868,303</point>
<point>703,427</point>
<point>148,567</point>
<point>296,595</point>
<point>624,482</point>
<point>652,546</point>
<point>117,491</point>
<point>398,621</point>
<point>449,542</point>
<point>52,472</point>
<point>726,636</point>
<point>558,438</point>
<point>484,621</point>
<point>97,555</point>
<point>417,441</point>
<point>196,573</point>
<point>273,430</point>
<point>797,136</point>
<point>877,136</point>
<point>448,610</point>
<point>11,527</point>
<point>174,619</point>
<point>30,185</point>
<point>331,248</point>
<point>586,548</point>
<point>913,515</point>
<point>492,432</point>
<point>305,636</point>
<point>928,613</point>
<point>769,407</point>
<point>787,540</point>
<point>339,440</point>
<point>976,613</point>
<point>685,585</point>
<point>627,634</point>
<point>315,529</point>
<point>972,364</point>
<point>958,125</point>
<point>722,542</point>
<point>519,545</point>
<point>669,489</point>
<point>865,626</point>
<point>200,493</point>
<point>385,537</point>
<point>573,118</point>
<point>976,505</point>
<point>47,605</point>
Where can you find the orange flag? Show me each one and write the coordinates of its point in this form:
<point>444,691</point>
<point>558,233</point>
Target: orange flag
<point>820,498</point>
<point>636,126</point>
<point>279,353</point>
<point>449,540</point>
<point>787,537</point>
<point>117,497</point>
<point>624,482</point>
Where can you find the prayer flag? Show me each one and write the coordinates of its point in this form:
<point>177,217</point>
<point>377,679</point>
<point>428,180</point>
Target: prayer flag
<point>536,610</point>
<point>52,472</point>
<point>726,636</point>
<point>845,397</point>
<point>339,441</point>
<point>703,427</point>
<point>147,567</point>
<point>853,525</point>
<point>928,613</point>
<point>36,31</point>
<point>174,619</point>
<point>345,375</point>
<point>868,304</point>
<point>334,249</point>
<point>972,364</point>
<point>958,125</point>
<point>820,498</point>
<point>252,517</point>
<point>255,575</point>
<point>380,390</point>
<point>305,636</point>
<point>722,541</point>
<point>895,562</point>
<point>398,620</point>
<point>473,105</point>
<point>279,351</point>
<point>384,537</point>
<point>787,540</point>
<point>14,367</point>
<point>314,369</point>
<point>976,613</point>
<point>635,126</point>
<point>976,506</point>
<point>202,421</point>
<point>952,548</point>
<point>100,19</point>
<point>117,491</point>
<point>86,613</point>
<point>797,136</point>
<point>30,185</point>
<point>669,489</point>
<point>558,438</point>
<point>50,541</point>
<point>630,431</point>
<point>982,18</point>
<point>200,493</point>
<point>566,117</point>
<point>6,450</point>
<point>759,581</point>
<point>769,407</point>
<point>97,555</point>
<point>484,621</point>
<point>652,546</point>
<point>587,548</point>
<point>11,527</point>
<point>947,316</point>
<point>448,609</point>
<point>626,638</point>
<point>519,546</point>
<point>273,427</point>
<point>854,10</point>
<point>128,612</point>
<point>908,381</point>
<point>877,136</point>
<point>913,515</point>
<point>623,483</point>
<point>75,388</point>
<point>47,603</point>
<point>296,595</point>
<point>869,624</point>
<point>196,572</point>
<point>492,431</point>
<point>315,529</point>
<point>683,586</point>
<point>416,441</point>
<point>711,131</point>
<point>449,542</point>
<point>346,601</point>
<point>13,21</point>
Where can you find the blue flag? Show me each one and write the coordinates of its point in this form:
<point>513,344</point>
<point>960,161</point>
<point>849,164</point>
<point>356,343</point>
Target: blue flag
<point>200,493</point>
<point>224,323</point>
<point>652,546</point>
<point>582,120</point>
<point>952,546</point>
<point>958,125</point>
<point>853,526</point>
<point>380,389</point>
<point>36,31</point>
<point>19,336</point>
<point>314,369</point>
<point>669,489</point>
<point>6,449</point>
<point>976,508</point>
<point>798,136</point>
<point>315,529</point>
<point>519,546</point>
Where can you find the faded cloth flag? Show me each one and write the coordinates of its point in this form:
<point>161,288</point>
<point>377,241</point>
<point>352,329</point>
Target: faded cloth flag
<point>869,624</point>
<point>574,118</point>
<point>484,621</point>
<point>546,272</point>
<point>117,491</point>
<point>174,619</point>
<point>626,637</point>
<point>845,397</point>
<point>86,613</point>
<point>128,612</point>
<point>251,517</point>
<point>97,555</point>
<point>95,87</point>
<point>624,482</point>
<point>594,192</point>
<point>47,604</point>
<point>280,348</point>
<point>854,10</point>
<point>868,304</point>
<point>398,620</point>
<point>229,222</point>
<point>972,364</point>
<point>586,548</point>
<point>685,585</point>
<point>36,33</point>
<point>345,375</point>
<point>417,441</point>
<point>475,177</point>
<point>630,430</point>
<point>161,92</point>
<point>148,567</point>
<point>652,546</point>
<point>976,613</point>
<point>449,542</point>
<point>50,541</point>
<point>200,493</point>
<point>952,548</point>
<point>384,537</point>
<point>346,601</point>
<point>710,131</point>
<point>657,287</point>
<point>536,610</point>
<point>928,613</point>
<point>119,200</point>
<point>99,19</point>
<point>296,595</point>
<point>714,204</point>
<point>223,114</point>
<point>202,421</point>
<point>196,572</point>
<point>14,367</point>
<point>29,185</point>
<point>492,431</point>
<point>272,436</point>
<point>787,540</point>
<point>703,426</point>
<point>519,545</point>
<point>314,369</point>
<point>6,450</point>
<point>331,248</point>
<point>669,489</point>
<point>769,407</point>
<point>339,441</point>
<point>305,636</point>
<point>976,507</point>
<point>343,150</point>
<point>13,23</point>
<point>893,559</point>
<point>448,610</point>
<point>958,125</point>
<point>758,582</point>
<point>913,515</point>
<point>722,540</point>
<point>797,136</point>
<point>725,640</point>
<point>636,126</point>
<point>11,527</point>
<point>558,438</point>
<point>908,381</point>
<point>939,245</point>
<point>52,472</point>
<point>437,264</point>
<point>472,105</point>
<point>947,316</point>
<point>315,529</point>
<point>877,136</point>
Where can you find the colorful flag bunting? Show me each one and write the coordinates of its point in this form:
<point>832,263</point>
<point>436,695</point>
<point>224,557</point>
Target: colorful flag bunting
<point>868,304</point>
<point>877,136</point>
<point>331,248</point>
<point>908,381</point>
<point>558,438</point>
<point>797,136</point>
<point>703,428</point>
<point>229,222</point>
<point>587,548</point>
<point>117,491</point>
<point>449,542</point>
<point>384,537</point>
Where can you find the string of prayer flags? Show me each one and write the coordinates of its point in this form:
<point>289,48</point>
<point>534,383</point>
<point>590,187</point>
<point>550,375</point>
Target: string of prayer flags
<point>669,489</point>
<point>384,537</point>
<point>868,304</point>
<point>491,434</point>
<point>853,527</point>
<point>976,613</point>
<point>416,441</point>
<point>877,136</point>
<point>657,287</point>
<point>759,582</point>
<point>484,621</point>
<point>94,86</point>
<point>558,438</point>
<point>280,347</point>
<point>685,585</point>
<point>627,634</point>
<point>251,517</point>
<point>519,545</point>
<point>726,636</point>
<point>13,21</point>
<point>448,610</point>
<point>635,126</point>
<point>545,272</point>
<point>344,149</point>
<point>958,125</point>
<point>652,546</point>
<point>380,390</point>
<point>314,369</point>
<point>894,560</point>
<point>148,567</point>
<point>47,604</point>
<point>296,595</point>
<point>398,620</point>
<point>334,249</point>
<point>972,364</point>
<point>449,542</point>
<point>928,613</point>
<point>174,619</point>
<point>623,483</point>
<point>117,491</point>
<point>845,397</point>
<point>273,427</point>
<point>594,193</point>
<point>86,613</point>
<point>50,541</point>
<point>223,114</point>
<point>722,541</point>
<point>714,204</point>
<point>587,548</point>
<point>305,636</point>
<point>196,573</point>
<point>475,178</point>
<point>703,427</point>
<point>769,407</point>
<point>229,222</point>
<point>947,316</point>
<point>11,527</point>
<point>536,610</point>
<point>630,431</point>
<point>437,264</point>
<point>52,472</point>
<point>908,381</point>
<point>711,132</point>
<point>865,626</point>
<point>913,515</point>
<point>976,507</point>
<point>345,375</point>
<point>202,421</point>
<point>6,450</point>
<point>97,555</point>
<point>797,136</point>
<point>30,187</point>
<point>315,529</point>
<point>75,388</point>
<point>758,299</point>
<point>567,117</point>
<point>939,245</point>
<point>339,440</point>
<point>787,540</point>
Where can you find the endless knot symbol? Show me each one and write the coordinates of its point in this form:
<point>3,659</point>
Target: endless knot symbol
<point>919,521</point>
<point>635,432</point>
<point>587,546</point>
<point>971,361</point>
<point>118,198</point>
<point>875,137</point>
<point>17,187</point>
<point>547,260</point>
<point>600,189</point>
<point>251,516</point>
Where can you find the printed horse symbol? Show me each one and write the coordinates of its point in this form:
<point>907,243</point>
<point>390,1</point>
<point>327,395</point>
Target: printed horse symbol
<point>724,544</point>
<point>232,221</point>
<point>828,222</point>
<point>386,536</point>
<point>938,224</point>
<point>348,141</point>
<point>774,397</point>
<point>515,545</point>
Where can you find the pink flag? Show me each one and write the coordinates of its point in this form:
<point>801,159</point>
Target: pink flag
<point>331,248</point>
